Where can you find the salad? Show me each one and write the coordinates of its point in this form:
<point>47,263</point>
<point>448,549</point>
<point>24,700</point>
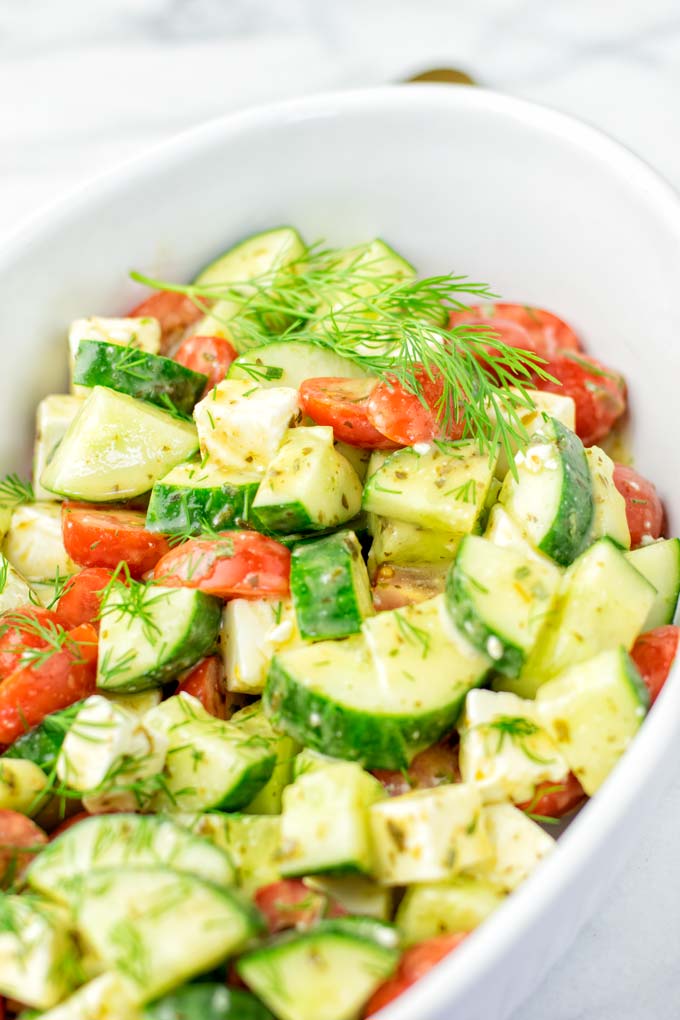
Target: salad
<point>324,609</point>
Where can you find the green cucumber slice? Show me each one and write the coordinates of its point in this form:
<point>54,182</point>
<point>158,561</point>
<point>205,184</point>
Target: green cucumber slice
<point>308,485</point>
<point>151,377</point>
<point>122,840</point>
<point>327,973</point>
<point>37,952</point>
<point>53,416</point>
<point>609,506</point>
<point>443,908</point>
<point>444,487</point>
<point>254,842</point>
<point>500,600</point>
<point>330,587</point>
<point>207,1001</point>
<point>22,784</point>
<point>42,744</point>
<point>551,497</point>
<point>149,634</point>
<point>268,800</point>
<point>116,448</point>
<point>592,711</point>
<point>396,542</point>
<point>660,564</point>
<point>199,497</point>
<point>290,362</point>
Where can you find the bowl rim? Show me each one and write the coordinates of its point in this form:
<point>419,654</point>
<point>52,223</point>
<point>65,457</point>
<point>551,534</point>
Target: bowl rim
<point>465,969</point>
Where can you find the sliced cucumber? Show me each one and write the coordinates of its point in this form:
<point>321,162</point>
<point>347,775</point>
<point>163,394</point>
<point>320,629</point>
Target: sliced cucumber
<point>444,908</point>
<point>428,835</point>
<point>38,958</point>
<point>42,744</point>
<point>518,846</point>
<point>308,485</point>
<point>210,763</point>
<point>609,506</point>
<point>207,1001</point>
<point>593,710</point>
<point>268,800</point>
<point>151,377</point>
<point>34,544</point>
<point>444,488</point>
<point>253,630</point>
<point>553,405</point>
<point>551,497</point>
<point>603,603</point>
<point>396,542</point>
<point>149,634</point>
<point>325,821</point>
<point>53,417</point>
<point>290,362</point>
<point>330,587</point>
<point>254,843</point>
<point>15,590</point>
<point>503,531</point>
<point>326,973</point>
<point>140,921</point>
<point>359,698</point>
<point>122,840</point>
<point>116,448</point>
<point>21,783</point>
<point>106,997</point>
<point>199,497</point>
<point>500,600</point>
<point>660,564</point>
<point>358,458</point>
<point>142,334</point>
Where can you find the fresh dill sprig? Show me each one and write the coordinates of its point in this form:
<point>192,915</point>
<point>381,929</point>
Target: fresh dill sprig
<point>14,491</point>
<point>518,729</point>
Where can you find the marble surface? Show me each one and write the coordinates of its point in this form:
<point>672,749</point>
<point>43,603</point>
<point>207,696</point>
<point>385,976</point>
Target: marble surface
<point>85,85</point>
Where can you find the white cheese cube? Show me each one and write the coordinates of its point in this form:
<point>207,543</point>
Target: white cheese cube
<point>34,544</point>
<point>142,333</point>
<point>503,749</point>
<point>53,417</point>
<point>519,844</point>
<point>241,425</point>
<point>253,631</point>
<point>36,952</point>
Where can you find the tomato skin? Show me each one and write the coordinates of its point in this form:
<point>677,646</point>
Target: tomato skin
<point>396,586</point>
<point>80,600</point>
<point>654,653</point>
<point>644,509</point>
<point>415,964</point>
<point>68,823</point>
<point>598,392</point>
<point>238,564</point>
<point>205,681</point>
<point>432,767</point>
<point>291,904</point>
<point>531,329</point>
<point>211,355</point>
<point>20,838</point>
<point>402,416</point>
<point>175,312</point>
<point>560,799</point>
<point>16,639</point>
<point>96,537</point>
<point>343,404</point>
<point>32,692</point>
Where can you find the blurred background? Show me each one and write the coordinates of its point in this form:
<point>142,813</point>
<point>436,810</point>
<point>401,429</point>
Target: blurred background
<point>85,84</point>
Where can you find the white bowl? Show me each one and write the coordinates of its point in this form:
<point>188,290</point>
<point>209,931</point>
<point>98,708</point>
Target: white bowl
<point>543,208</point>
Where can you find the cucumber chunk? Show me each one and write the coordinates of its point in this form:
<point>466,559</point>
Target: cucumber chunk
<point>116,448</point>
<point>603,603</point>
<point>34,544</point>
<point>443,908</point>
<point>21,783</point>
<point>500,600</point>
<point>325,821</point>
<point>308,484</point>
<point>151,377</point>
<point>15,590</point>
<point>553,405</point>
<point>357,699</point>
<point>551,498</point>
<point>42,744</point>
<point>290,362</point>
<point>444,488</point>
<point>107,997</point>
<point>503,531</point>
<point>122,840</point>
<point>199,497</point>
<point>327,973</point>
<point>38,958</point>
<point>140,920</point>
<point>660,564</point>
<point>210,763</point>
<point>149,634</point>
<point>330,587</point>
<point>609,506</point>
<point>268,800</point>
<point>254,842</point>
<point>207,1001</point>
<point>53,417</point>
<point>253,630</point>
<point>592,711</point>
<point>396,542</point>
<point>142,334</point>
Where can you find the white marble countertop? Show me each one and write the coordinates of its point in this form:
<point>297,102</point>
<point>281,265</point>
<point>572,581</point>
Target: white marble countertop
<point>85,85</point>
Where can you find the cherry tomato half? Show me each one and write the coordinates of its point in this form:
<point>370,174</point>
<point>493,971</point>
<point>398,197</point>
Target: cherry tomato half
<point>175,312</point>
<point>96,537</point>
<point>432,767</point>
<point>415,963</point>
<point>654,653</point>
<point>205,681</point>
<point>555,800</point>
<point>644,509</point>
<point>343,404</point>
<point>599,393</point>
<point>20,840</point>
<point>211,355</point>
<point>80,600</point>
<point>24,631</point>
<point>241,564</point>
<point>291,904</point>
<point>531,329</point>
<point>404,418</point>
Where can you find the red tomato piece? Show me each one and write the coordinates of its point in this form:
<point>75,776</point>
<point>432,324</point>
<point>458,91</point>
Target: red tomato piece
<point>68,823</point>
<point>96,537</point>
<point>241,564</point>
<point>599,393</point>
<point>404,418</point>
<point>205,681</point>
<point>394,587</point>
<point>23,632</point>
<point>654,653</point>
<point>174,311</point>
<point>343,404</point>
<point>644,509</point>
<point>211,355</point>
<point>81,598</point>
<point>415,963</point>
<point>432,767</point>
<point>555,800</point>
<point>291,904</point>
<point>64,676</point>
<point>20,840</point>
<point>531,329</point>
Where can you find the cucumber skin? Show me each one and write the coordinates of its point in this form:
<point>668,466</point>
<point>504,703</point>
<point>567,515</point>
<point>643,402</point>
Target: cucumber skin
<point>250,784</point>
<point>568,536</point>
<point>284,518</point>
<point>462,610</point>
<point>207,1001</point>
<point>326,605</point>
<point>375,741</point>
<point>98,364</point>
<point>42,744</point>
<point>183,510</point>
